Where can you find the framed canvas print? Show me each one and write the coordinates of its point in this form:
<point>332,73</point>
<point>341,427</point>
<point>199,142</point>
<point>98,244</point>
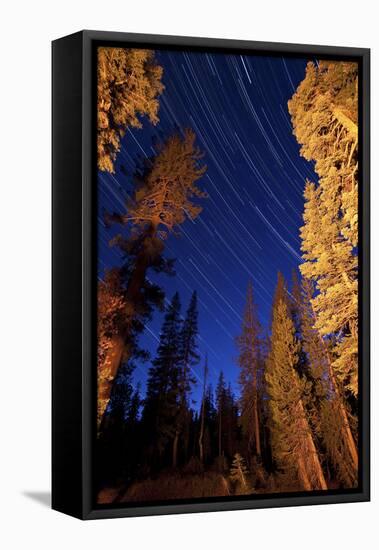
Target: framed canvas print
<point>210,275</point>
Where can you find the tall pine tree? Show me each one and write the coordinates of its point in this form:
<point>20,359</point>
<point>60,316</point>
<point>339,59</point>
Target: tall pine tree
<point>250,363</point>
<point>203,412</point>
<point>227,421</point>
<point>328,412</point>
<point>161,399</point>
<point>293,447</point>
<point>189,358</point>
<point>129,82</point>
<point>166,186</point>
<point>324,113</point>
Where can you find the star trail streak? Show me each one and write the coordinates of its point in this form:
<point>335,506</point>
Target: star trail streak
<point>249,226</point>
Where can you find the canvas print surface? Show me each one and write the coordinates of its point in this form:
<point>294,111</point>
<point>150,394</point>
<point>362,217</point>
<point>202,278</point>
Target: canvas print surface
<point>227,297</point>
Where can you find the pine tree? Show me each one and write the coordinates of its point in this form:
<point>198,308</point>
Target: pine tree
<point>328,412</point>
<point>221,406</point>
<point>133,433</point>
<point>250,363</point>
<point>332,263</point>
<point>162,201</point>
<point>129,82</point>
<point>315,362</point>
<point>113,313</point>
<point>239,473</point>
<point>189,359</point>
<point>293,447</point>
<point>324,113</point>
<point>202,412</point>
<point>135,405</point>
<point>295,303</point>
<point>167,185</point>
<point>210,441</point>
<point>227,421</point>
<point>231,423</point>
<point>161,400</point>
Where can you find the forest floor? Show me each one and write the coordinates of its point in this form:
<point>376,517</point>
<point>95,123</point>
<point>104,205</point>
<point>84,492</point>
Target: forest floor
<point>178,485</point>
<point>170,486</point>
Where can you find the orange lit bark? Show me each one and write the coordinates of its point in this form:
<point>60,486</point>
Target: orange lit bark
<point>119,342</point>
<point>256,421</point>
<point>345,421</point>
<point>310,463</point>
<point>345,427</point>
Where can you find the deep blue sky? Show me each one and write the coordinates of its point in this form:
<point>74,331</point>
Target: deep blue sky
<point>249,226</point>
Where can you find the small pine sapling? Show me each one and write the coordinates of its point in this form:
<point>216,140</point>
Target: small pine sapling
<point>239,473</point>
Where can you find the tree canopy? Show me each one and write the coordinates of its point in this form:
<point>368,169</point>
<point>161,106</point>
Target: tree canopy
<point>129,82</point>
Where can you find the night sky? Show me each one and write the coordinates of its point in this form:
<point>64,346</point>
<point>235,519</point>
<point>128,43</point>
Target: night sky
<point>249,226</point>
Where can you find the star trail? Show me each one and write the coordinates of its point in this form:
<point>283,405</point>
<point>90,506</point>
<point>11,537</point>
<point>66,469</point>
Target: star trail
<point>249,225</point>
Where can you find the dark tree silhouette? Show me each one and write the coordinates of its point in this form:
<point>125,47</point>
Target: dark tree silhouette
<point>250,378</point>
<point>189,359</point>
<point>161,402</point>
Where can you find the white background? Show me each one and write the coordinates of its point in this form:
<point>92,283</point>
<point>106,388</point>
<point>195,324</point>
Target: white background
<point>26,31</point>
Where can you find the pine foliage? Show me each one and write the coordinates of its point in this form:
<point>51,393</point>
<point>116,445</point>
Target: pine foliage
<point>188,359</point>
<point>129,82</point>
<point>239,472</point>
<point>292,443</point>
<point>296,421</point>
<point>161,395</point>
<point>167,185</point>
<point>324,113</point>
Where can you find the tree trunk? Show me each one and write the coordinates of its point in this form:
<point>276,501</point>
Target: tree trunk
<point>104,387</point>
<point>182,406</point>
<point>201,435</point>
<point>345,428</point>
<point>175,450</point>
<point>347,123</point>
<point>345,421</point>
<point>219,433</point>
<point>312,464</point>
<point>256,427</point>
<point>303,474</point>
<point>242,476</point>
<point>132,297</point>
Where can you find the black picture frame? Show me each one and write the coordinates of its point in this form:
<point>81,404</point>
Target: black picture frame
<point>74,269</point>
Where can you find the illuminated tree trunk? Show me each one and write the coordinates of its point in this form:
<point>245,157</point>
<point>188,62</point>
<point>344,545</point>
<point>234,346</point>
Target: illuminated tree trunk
<point>345,428</point>
<point>347,123</point>
<point>113,357</point>
<point>303,474</point>
<point>118,344</point>
<point>293,443</point>
<point>328,411</point>
<point>309,463</point>
<point>345,424</point>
